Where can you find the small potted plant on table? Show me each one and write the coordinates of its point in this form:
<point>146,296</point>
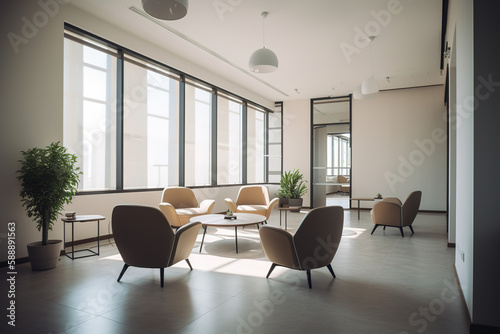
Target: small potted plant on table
<point>292,188</point>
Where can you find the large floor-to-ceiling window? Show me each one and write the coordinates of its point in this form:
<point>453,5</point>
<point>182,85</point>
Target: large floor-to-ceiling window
<point>136,124</point>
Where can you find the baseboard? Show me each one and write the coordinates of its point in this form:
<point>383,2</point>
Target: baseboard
<point>84,241</point>
<point>26,259</point>
<point>462,298</point>
<point>483,329</point>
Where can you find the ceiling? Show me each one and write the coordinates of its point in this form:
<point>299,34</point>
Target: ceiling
<point>321,45</point>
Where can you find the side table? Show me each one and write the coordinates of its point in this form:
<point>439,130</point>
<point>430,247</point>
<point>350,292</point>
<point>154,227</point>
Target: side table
<point>359,199</point>
<point>284,210</point>
<point>80,219</point>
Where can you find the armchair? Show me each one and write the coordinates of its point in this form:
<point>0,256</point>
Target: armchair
<point>179,204</point>
<point>253,199</point>
<point>145,239</point>
<point>391,212</point>
<point>313,245</point>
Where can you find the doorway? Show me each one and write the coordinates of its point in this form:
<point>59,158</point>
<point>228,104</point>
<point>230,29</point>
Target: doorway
<point>331,151</point>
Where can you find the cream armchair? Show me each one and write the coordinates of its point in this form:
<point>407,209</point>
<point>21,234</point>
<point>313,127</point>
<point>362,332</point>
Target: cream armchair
<point>145,239</point>
<point>253,199</point>
<point>313,245</point>
<point>179,205</point>
<point>391,212</point>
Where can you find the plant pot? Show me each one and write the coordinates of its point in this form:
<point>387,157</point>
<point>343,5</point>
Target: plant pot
<point>283,202</point>
<point>44,257</point>
<point>295,202</point>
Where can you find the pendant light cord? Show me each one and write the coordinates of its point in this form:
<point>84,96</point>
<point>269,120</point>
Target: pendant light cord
<point>264,15</point>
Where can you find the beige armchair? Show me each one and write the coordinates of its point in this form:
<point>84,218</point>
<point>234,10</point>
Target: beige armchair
<point>179,205</point>
<point>313,245</point>
<point>345,187</point>
<point>253,199</point>
<point>391,212</point>
<point>145,239</point>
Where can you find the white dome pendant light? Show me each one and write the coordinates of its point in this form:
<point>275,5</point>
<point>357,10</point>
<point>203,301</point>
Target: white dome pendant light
<point>369,85</point>
<point>263,60</point>
<point>166,9</point>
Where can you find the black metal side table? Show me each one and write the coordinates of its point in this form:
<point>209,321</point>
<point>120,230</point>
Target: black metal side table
<point>80,219</point>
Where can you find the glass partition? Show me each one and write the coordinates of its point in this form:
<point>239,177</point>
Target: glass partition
<point>331,151</point>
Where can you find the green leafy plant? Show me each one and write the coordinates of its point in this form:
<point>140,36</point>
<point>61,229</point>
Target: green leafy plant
<point>292,184</point>
<point>284,191</point>
<point>49,179</point>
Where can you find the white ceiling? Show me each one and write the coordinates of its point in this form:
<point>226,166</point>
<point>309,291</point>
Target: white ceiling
<point>307,36</point>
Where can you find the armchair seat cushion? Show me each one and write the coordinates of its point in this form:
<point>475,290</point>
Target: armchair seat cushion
<point>255,209</point>
<point>191,211</point>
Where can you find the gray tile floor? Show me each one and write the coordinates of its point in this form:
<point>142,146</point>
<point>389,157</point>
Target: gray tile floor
<point>384,284</point>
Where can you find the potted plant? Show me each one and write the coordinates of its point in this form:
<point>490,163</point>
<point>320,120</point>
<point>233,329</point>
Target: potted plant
<point>292,188</point>
<point>49,179</point>
<point>284,191</point>
<point>297,189</point>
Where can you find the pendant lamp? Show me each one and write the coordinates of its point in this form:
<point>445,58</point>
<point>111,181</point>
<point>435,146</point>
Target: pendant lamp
<point>263,60</point>
<point>166,9</point>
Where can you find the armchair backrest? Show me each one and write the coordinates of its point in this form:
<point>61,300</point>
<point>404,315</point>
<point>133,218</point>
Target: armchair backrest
<point>410,207</point>
<point>318,235</point>
<point>179,197</point>
<point>143,236</point>
<point>253,195</point>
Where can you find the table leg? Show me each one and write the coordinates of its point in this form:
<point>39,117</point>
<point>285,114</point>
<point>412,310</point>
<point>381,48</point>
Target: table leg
<point>98,238</point>
<point>281,212</point>
<point>286,219</point>
<point>358,209</point>
<point>236,237</point>
<point>72,240</point>
<point>64,237</point>
<point>203,238</point>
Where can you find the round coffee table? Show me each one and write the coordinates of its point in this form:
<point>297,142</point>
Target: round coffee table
<point>218,220</point>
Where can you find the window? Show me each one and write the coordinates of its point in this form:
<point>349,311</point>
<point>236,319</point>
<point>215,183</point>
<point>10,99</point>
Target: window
<point>229,140</point>
<point>150,126</point>
<point>256,144</point>
<point>90,110</point>
<point>135,123</point>
<point>274,144</point>
<point>338,153</point>
<point>198,135</point>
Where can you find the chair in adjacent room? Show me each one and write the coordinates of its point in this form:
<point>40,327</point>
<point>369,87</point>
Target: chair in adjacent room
<point>145,239</point>
<point>253,199</point>
<point>313,245</point>
<point>391,212</point>
<point>179,204</point>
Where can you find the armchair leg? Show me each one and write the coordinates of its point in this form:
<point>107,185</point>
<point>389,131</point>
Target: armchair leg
<point>331,270</point>
<point>189,264</point>
<point>374,228</point>
<point>162,276</point>
<point>411,229</point>
<point>384,227</point>
<point>124,269</point>
<point>271,270</point>
<point>401,230</point>
<point>309,278</point>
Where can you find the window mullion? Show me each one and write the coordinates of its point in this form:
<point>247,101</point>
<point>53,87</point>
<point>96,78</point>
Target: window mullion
<point>119,121</point>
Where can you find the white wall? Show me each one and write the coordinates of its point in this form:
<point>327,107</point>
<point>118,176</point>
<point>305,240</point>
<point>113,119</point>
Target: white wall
<point>399,145</point>
<point>461,15</point>
<point>32,107</point>
<point>297,140</point>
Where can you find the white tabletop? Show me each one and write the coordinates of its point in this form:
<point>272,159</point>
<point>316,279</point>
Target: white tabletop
<point>219,220</point>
